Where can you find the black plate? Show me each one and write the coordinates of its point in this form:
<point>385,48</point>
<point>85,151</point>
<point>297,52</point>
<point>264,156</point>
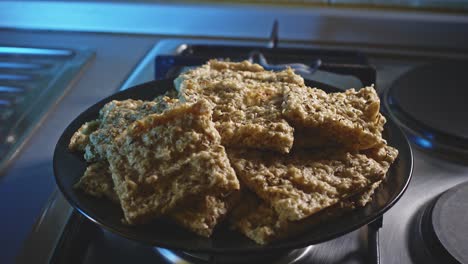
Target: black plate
<point>68,168</point>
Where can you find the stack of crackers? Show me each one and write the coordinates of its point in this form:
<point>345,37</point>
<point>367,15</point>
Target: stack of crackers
<point>236,141</point>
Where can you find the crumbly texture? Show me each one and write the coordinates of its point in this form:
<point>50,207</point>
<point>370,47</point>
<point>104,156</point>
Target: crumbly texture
<point>313,138</point>
<point>247,102</point>
<point>260,222</point>
<point>385,155</point>
<point>80,138</point>
<point>200,216</point>
<point>256,220</point>
<point>305,182</point>
<point>351,118</point>
<point>115,117</point>
<point>162,159</point>
<point>97,181</point>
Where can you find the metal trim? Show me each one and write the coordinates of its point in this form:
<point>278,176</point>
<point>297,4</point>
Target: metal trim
<point>43,239</point>
<point>299,23</point>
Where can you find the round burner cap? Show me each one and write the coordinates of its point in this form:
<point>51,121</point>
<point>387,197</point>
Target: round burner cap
<point>450,221</point>
<point>435,95</point>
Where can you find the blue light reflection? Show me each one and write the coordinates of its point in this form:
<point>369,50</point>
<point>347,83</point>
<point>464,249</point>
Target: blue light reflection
<point>422,142</point>
<point>34,51</point>
<point>429,135</point>
<point>10,89</point>
<point>18,65</point>
<point>14,77</point>
<point>170,256</point>
<point>5,103</point>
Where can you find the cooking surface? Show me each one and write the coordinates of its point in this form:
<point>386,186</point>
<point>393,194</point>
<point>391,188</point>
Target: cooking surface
<point>449,223</point>
<point>431,177</point>
<point>428,103</point>
<point>433,95</point>
<point>26,184</point>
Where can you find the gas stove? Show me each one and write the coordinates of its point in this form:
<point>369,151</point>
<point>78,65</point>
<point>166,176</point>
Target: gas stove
<point>410,232</point>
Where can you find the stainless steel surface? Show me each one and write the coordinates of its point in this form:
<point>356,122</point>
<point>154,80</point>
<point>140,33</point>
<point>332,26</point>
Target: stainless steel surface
<point>144,71</point>
<point>298,23</point>
<point>432,176</point>
<point>27,184</point>
<point>31,81</point>
<point>288,257</point>
<point>47,231</point>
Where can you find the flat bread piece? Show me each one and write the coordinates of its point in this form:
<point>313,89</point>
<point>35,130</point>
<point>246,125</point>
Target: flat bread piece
<point>257,220</point>
<point>305,182</point>
<point>351,118</point>
<point>94,136</point>
<point>200,215</point>
<point>247,102</point>
<point>80,138</point>
<point>163,159</point>
<point>115,117</point>
<point>97,181</point>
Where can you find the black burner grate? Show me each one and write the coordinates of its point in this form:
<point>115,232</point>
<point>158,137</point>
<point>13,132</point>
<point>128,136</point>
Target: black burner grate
<point>334,61</point>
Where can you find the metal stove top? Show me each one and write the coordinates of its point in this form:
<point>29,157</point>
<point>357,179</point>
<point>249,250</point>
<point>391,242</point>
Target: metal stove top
<point>31,81</point>
<point>85,243</point>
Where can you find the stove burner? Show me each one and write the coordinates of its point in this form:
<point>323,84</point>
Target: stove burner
<point>443,228</point>
<point>181,257</point>
<point>300,68</point>
<point>430,102</point>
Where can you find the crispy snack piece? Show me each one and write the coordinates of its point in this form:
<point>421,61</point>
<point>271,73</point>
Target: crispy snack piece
<point>93,137</point>
<point>162,159</point>
<point>351,118</point>
<point>199,215</point>
<point>257,220</point>
<point>247,102</point>
<point>385,155</point>
<point>303,183</point>
<point>97,181</point>
<point>202,215</point>
<point>80,139</point>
